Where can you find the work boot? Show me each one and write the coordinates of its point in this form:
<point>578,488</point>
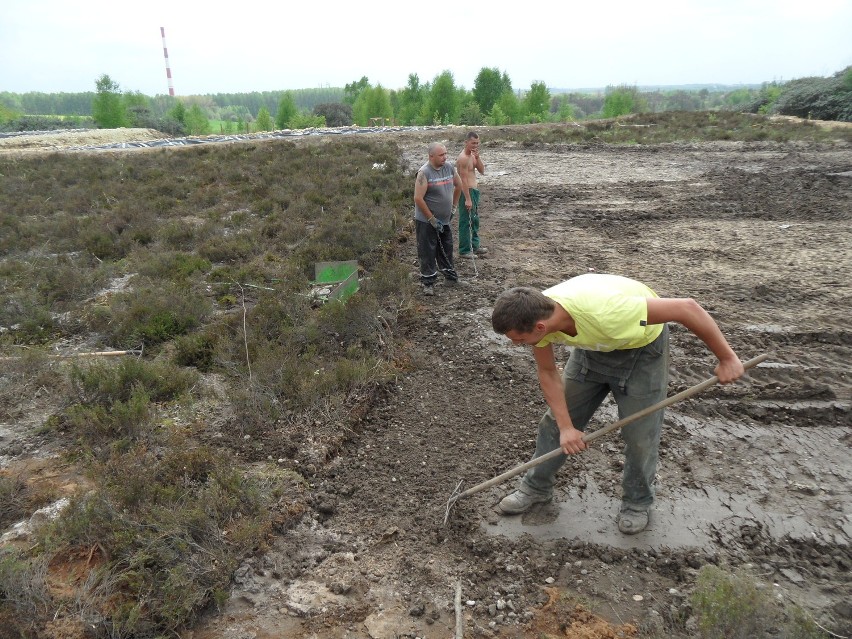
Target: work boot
<point>632,521</point>
<point>466,256</point>
<point>428,290</point>
<point>520,502</point>
<point>481,250</point>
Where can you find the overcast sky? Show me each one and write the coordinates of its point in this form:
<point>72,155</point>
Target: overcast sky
<point>53,45</point>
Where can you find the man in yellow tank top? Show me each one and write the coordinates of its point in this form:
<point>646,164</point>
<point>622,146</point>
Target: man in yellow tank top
<point>617,328</point>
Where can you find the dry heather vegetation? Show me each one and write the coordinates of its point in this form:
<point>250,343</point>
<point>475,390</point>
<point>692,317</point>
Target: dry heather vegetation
<point>201,259</point>
<point>215,238</point>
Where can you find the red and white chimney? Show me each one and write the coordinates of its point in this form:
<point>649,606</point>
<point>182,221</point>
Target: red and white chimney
<point>166,56</point>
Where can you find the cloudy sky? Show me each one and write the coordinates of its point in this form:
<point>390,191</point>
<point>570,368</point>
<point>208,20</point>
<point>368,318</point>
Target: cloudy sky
<point>53,45</point>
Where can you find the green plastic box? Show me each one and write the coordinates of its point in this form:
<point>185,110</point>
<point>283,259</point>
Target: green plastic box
<point>335,280</point>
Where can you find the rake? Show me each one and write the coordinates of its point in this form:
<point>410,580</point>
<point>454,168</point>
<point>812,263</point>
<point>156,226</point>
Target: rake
<point>589,437</point>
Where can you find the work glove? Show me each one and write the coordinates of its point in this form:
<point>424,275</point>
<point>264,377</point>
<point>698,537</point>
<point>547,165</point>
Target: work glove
<point>437,224</point>
<point>454,211</point>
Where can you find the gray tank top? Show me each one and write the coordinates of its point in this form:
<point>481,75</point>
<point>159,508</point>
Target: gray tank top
<point>439,193</point>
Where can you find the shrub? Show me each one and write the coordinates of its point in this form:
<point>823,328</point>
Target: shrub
<point>31,322</point>
<point>818,98</point>
<point>163,523</point>
<point>118,424</point>
<point>734,605</point>
<point>13,501</point>
<point>153,314</point>
<point>105,384</point>
<point>195,350</point>
<point>178,235</point>
<point>228,248</point>
<point>170,265</point>
<point>307,121</point>
<point>24,596</point>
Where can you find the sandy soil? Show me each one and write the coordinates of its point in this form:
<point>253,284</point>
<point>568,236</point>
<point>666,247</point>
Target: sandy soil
<point>755,473</point>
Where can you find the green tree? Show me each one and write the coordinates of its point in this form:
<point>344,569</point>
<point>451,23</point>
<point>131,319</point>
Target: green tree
<point>510,108</point>
<point>471,114</point>
<point>372,102</point>
<point>682,101</point>
<point>138,110</point>
<point>845,79</point>
<point>769,94</point>
<point>537,102</point>
<point>562,107</point>
<point>264,120</point>
<point>7,114</point>
<point>335,113</point>
<point>622,100</point>
<point>497,117</point>
<point>287,110</point>
<point>488,86</point>
<point>108,109</point>
<point>353,90</point>
<point>307,121</point>
<point>739,97</point>
<point>443,101</point>
<point>178,112</point>
<point>196,121</point>
<point>411,100</point>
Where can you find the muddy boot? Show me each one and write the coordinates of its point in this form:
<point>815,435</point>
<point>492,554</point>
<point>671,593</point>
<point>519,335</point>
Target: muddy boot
<point>632,521</point>
<point>520,502</point>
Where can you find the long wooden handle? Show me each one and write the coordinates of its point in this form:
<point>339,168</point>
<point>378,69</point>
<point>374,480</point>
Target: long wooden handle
<point>588,437</point>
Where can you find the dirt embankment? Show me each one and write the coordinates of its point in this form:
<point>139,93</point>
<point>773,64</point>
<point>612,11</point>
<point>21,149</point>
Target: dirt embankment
<point>71,138</point>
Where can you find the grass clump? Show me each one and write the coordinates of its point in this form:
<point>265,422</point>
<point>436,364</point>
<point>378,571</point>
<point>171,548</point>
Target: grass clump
<point>24,595</point>
<point>168,530</point>
<point>735,605</point>
<point>152,313</point>
<point>115,405</point>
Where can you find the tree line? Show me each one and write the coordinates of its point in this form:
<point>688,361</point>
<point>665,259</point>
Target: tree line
<point>493,100</point>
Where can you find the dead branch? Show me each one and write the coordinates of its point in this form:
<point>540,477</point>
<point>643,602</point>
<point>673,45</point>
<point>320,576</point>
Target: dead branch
<point>459,615</point>
<point>12,358</point>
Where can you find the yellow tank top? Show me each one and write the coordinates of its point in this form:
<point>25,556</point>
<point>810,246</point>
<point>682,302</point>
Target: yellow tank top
<point>609,311</point>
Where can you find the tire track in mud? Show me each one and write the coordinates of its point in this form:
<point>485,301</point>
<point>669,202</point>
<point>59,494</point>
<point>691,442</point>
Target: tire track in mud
<point>765,246</point>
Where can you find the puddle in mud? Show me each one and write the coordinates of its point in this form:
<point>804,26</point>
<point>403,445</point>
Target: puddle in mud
<point>684,519</point>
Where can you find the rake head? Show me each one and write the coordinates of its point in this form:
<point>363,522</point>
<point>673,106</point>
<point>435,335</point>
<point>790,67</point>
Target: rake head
<point>452,500</point>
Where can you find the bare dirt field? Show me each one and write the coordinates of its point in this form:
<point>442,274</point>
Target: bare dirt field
<point>756,473</point>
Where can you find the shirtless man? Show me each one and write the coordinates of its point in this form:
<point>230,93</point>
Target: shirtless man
<point>467,165</point>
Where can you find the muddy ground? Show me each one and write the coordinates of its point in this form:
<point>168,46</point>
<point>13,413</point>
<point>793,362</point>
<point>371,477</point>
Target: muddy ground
<point>755,473</point>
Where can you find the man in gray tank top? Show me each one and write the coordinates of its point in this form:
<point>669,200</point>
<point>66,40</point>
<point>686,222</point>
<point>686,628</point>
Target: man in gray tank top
<point>436,197</point>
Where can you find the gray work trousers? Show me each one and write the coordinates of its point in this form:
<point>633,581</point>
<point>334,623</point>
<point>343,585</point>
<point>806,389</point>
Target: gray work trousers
<point>637,378</point>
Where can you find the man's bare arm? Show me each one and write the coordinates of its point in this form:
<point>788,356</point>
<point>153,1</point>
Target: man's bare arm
<point>692,315</point>
<point>478,163</point>
<point>459,186</point>
<point>570,439</point>
<point>421,184</point>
